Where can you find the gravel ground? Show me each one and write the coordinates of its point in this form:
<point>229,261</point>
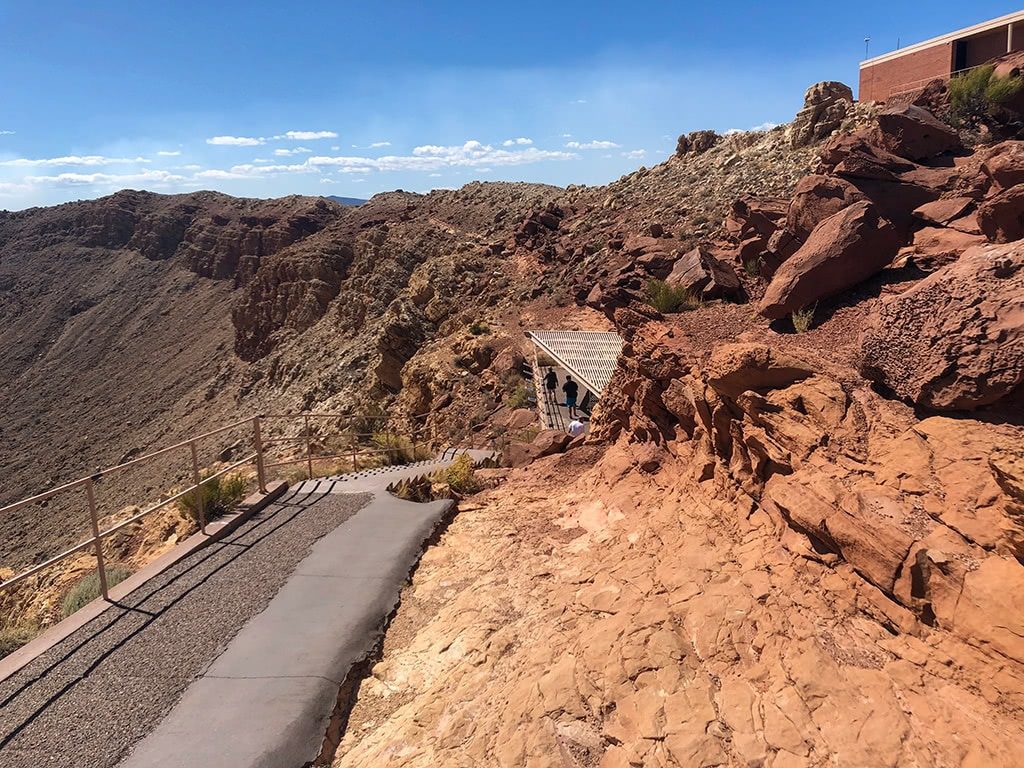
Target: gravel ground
<point>89,699</point>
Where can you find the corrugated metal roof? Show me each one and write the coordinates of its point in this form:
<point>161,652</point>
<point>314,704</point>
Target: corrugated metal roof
<point>589,355</point>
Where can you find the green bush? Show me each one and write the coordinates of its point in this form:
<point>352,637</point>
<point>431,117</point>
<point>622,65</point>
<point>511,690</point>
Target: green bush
<point>977,95</point>
<point>398,449</point>
<point>668,299</point>
<point>460,476</point>
<point>520,397</point>
<point>220,495</point>
<point>803,319</point>
<point>88,589</point>
<point>479,328</point>
<point>12,638</point>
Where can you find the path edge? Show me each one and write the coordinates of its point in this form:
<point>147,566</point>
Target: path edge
<point>252,504</point>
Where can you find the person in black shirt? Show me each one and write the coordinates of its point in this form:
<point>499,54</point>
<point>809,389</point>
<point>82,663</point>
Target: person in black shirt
<point>572,391</point>
<point>551,380</point>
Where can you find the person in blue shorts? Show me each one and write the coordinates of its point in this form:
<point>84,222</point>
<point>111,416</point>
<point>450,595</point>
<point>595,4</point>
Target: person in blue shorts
<point>572,392</point>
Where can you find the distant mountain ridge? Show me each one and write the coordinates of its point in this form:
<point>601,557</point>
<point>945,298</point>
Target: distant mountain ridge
<point>346,200</point>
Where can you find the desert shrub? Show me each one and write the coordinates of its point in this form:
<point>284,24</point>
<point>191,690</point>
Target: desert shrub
<point>220,495</point>
<point>668,299</point>
<point>977,95</point>
<point>479,328</point>
<point>88,588</point>
<point>460,476</point>
<point>803,319</point>
<point>519,398</point>
<point>398,449</point>
<point>13,637</point>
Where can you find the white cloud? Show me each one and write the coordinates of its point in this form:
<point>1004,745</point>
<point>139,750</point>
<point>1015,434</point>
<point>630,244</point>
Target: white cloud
<point>236,141</point>
<point>78,179</point>
<point>762,127</point>
<point>578,101</point>
<point>634,154</point>
<point>432,157</point>
<point>379,144</point>
<point>73,160</point>
<point>169,152</point>
<point>435,174</point>
<point>521,141</point>
<point>335,148</point>
<point>289,152</point>
<point>191,167</point>
<point>328,181</point>
<point>7,133</point>
<point>307,135</point>
<point>566,135</point>
<point>592,145</point>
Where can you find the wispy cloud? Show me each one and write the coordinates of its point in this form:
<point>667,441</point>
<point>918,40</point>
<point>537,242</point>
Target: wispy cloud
<point>634,154</point>
<point>82,179</point>
<point>289,152</point>
<point>236,141</point>
<point>73,160</point>
<point>592,145</point>
<point>379,144</point>
<point>521,142</point>
<point>7,133</point>
<point>307,135</point>
<point>578,101</point>
<point>762,127</point>
<point>169,152</point>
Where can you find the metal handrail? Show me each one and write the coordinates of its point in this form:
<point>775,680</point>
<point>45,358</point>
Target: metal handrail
<point>258,457</point>
<point>915,85</point>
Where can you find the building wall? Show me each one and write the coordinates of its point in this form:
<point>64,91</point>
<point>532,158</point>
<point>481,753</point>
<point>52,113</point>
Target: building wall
<point>880,80</point>
<point>988,46</point>
<point>1018,37</point>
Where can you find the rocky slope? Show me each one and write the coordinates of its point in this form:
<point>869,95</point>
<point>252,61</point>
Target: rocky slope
<point>777,548</point>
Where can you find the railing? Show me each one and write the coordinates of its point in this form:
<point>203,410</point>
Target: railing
<point>261,444</point>
<point>916,85</point>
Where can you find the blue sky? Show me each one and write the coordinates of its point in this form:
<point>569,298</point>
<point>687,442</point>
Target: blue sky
<point>347,98</point>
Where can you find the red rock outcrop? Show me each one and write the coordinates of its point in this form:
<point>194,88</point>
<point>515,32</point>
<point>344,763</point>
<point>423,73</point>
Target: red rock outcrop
<point>955,340</point>
<point>914,133</point>
<point>704,276</point>
<point>842,251</point>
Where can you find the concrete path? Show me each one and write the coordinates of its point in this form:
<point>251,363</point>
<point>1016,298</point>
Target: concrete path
<point>87,700</point>
<point>267,700</point>
<point>235,655</point>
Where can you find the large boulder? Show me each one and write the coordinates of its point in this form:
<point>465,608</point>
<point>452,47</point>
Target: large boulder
<point>817,197</point>
<point>842,251</point>
<point>548,442</point>
<point>825,107</point>
<point>913,133</point>
<point>1001,218</point>
<point>955,340</point>
<point>744,366</point>
<point>704,276</point>
<point>696,142</point>
<point>755,217</point>
<point>1003,166</point>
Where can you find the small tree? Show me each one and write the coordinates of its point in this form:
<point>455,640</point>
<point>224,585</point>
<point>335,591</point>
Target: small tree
<point>978,95</point>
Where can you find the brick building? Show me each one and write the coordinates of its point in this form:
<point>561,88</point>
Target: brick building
<point>911,68</point>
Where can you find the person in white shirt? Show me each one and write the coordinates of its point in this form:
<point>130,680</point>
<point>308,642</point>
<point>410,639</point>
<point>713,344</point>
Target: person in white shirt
<point>576,428</point>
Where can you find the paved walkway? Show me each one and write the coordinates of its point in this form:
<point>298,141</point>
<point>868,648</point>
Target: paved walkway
<point>90,698</point>
<point>233,656</point>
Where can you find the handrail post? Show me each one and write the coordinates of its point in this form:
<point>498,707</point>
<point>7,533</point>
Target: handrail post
<point>309,451</point>
<point>354,467</point>
<point>197,481</point>
<point>94,519</point>
<point>261,476</point>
